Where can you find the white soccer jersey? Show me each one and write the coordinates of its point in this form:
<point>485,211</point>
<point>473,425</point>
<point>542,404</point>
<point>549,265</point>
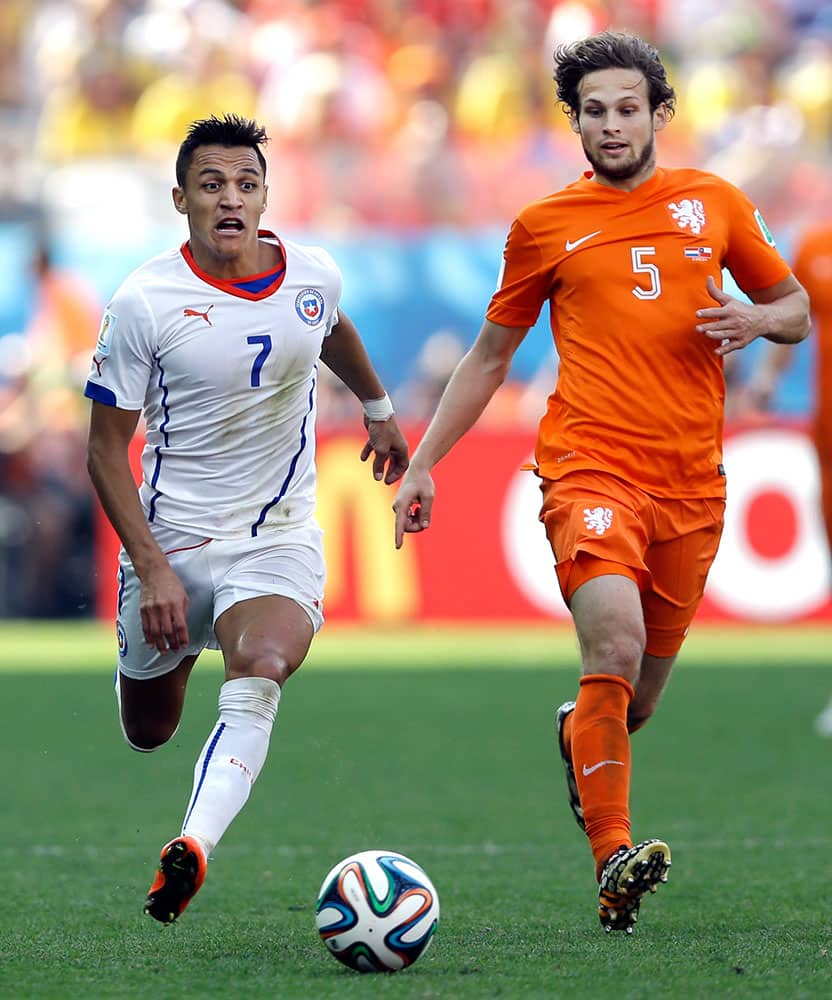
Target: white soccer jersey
<point>227,382</point>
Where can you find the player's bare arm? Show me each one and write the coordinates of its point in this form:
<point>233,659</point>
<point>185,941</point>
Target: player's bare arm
<point>163,601</point>
<point>343,352</point>
<point>470,388</point>
<point>779,314</point>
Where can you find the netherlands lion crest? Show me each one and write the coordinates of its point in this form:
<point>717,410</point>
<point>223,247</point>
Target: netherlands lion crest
<point>689,213</point>
<point>597,519</point>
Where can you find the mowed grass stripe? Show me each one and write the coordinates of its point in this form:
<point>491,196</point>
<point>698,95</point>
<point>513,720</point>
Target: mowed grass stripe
<point>425,849</point>
<point>58,647</point>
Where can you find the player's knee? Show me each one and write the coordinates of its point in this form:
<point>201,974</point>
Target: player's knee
<point>145,736</point>
<point>271,664</point>
<point>619,655</point>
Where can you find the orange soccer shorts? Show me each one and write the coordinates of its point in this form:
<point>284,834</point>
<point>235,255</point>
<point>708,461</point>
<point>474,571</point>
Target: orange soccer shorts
<point>598,524</point>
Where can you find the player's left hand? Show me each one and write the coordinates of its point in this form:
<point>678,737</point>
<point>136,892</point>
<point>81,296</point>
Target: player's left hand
<point>387,445</point>
<point>414,503</point>
<point>733,323</point>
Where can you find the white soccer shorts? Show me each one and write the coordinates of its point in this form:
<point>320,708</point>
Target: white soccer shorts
<point>218,573</point>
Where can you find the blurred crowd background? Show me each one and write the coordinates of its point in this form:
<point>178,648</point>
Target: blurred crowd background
<point>404,136</point>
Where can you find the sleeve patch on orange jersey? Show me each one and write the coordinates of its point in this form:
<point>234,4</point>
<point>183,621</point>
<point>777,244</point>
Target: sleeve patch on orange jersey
<point>761,222</point>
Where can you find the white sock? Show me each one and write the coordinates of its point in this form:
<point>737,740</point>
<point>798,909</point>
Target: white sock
<point>232,757</point>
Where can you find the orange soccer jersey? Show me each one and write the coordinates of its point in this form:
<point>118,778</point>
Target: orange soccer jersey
<point>639,392</point>
<point>813,269</point>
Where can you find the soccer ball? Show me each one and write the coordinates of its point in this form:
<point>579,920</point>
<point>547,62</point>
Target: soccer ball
<point>377,911</point>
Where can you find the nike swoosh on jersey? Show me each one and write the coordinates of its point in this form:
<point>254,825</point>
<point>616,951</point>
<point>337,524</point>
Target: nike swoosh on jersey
<point>601,763</point>
<point>571,244</point>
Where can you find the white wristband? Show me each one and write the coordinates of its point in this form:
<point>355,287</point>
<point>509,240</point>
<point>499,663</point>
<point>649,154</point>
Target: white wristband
<point>378,409</point>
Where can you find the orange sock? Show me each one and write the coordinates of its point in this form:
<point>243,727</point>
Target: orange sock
<point>566,732</point>
<point>600,749</point>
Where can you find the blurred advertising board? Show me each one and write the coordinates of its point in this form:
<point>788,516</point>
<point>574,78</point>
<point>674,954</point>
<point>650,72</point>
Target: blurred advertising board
<point>486,559</point>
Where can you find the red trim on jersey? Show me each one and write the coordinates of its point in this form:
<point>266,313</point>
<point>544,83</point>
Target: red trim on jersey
<point>231,286</point>
<point>188,548</point>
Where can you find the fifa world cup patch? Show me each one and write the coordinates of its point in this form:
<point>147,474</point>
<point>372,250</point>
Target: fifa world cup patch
<point>105,333</point>
<point>761,222</point>
<point>309,305</point>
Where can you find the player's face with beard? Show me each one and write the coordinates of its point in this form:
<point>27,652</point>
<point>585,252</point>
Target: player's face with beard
<point>617,127</point>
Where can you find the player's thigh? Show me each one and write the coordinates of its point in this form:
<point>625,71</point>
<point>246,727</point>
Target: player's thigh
<point>266,636</point>
<point>606,610</point>
<point>269,603</point>
<point>679,562</point>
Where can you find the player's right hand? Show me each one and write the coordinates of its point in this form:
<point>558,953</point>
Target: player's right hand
<point>413,503</point>
<point>164,604</point>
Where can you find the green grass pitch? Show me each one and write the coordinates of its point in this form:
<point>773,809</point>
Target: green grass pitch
<point>437,744</point>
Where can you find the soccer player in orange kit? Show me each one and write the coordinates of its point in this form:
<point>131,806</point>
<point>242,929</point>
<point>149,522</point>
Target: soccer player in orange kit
<point>628,260</point>
<point>813,268</point>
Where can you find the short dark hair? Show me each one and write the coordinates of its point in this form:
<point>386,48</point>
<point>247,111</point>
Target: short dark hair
<point>230,130</point>
<point>610,50</point>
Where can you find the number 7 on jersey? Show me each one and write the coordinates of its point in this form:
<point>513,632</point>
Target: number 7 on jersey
<point>265,342</point>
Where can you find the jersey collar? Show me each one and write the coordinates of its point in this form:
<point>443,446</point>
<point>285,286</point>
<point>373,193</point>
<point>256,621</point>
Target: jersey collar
<point>254,286</point>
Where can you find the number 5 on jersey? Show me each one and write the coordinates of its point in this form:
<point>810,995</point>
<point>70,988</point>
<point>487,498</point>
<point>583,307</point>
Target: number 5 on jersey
<point>640,266</point>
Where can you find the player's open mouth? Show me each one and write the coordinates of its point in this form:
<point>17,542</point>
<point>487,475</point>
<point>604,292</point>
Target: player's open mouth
<point>613,147</point>
<point>230,226</point>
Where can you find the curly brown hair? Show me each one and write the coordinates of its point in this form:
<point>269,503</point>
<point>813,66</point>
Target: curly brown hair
<point>610,50</point>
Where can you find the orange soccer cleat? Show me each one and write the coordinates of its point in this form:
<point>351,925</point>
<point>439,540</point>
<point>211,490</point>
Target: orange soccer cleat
<point>181,872</point>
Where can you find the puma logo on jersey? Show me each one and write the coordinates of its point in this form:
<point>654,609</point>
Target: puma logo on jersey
<point>689,213</point>
<point>597,519</point>
<point>571,244</point>
<point>98,362</point>
<point>196,312</point>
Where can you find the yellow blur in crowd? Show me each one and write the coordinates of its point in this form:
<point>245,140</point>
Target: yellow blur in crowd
<point>379,108</point>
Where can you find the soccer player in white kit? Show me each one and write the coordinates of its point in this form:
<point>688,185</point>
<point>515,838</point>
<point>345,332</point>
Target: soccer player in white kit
<point>217,345</point>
